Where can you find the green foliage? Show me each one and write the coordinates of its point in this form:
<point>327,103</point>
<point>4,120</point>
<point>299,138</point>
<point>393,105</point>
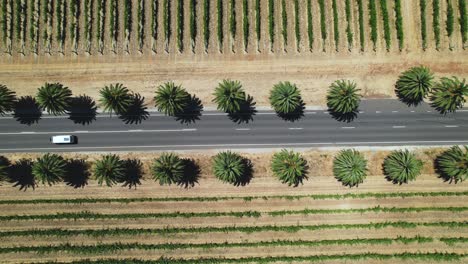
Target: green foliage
<point>399,24</point>
<point>206,23</point>
<point>414,84</point>
<point>285,98</point>
<point>88,23</point>
<point>323,21</point>
<point>343,97</point>
<point>422,6</point>
<point>74,24</point>
<point>336,27</point>
<point>297,26</point>
<point>115,98</point>
<point>453,164</point>
<point>229,95</point>
<point>463,20</point>
<point>4,21</point>
<point>114,21</point>
<point>171,99</point>
<point>220,25</point>
<point>49,169</point>
<point>167,22</point>
<point>435,22</point>
<point>128,18</point>
<point>449,94</point>
<point>180,25</point>
<point>402,166</point>
<point>349,32</point>
<point>229,167</point>
<point>60,21</point>
<point>310,25</point>
<point>232,19</point>
<point>450,19</point>
<point>141,24</point>
<point>54,98</point>
<point>7,99</point>
<point>373,22</point>
<point>100,24</point>
<point>362,38</point>
<point>386,23</point>
<point>154,19</point>
<point>284,25</point>
<point>110,169</point>
<point>271,22</point>
<point>453,240</point>
<point>350,167</point>
<point>258,23</point>
<point>193,22</point>
<point>168,169</point>
<point>289,167</point>
<point>246,23</point>
<point>33,23</point>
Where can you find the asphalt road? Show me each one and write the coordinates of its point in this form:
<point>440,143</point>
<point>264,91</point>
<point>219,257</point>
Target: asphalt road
<point>380,123</point>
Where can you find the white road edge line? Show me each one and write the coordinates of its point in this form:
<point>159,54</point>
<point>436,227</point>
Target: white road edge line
<point>378,112</point>
<point>295,128</point>
<point>451,126</point>
<point>348,127</point>
<point>242,129</point>
<point>394,111</point>
<point>99,132</point>
<point>398,126</point>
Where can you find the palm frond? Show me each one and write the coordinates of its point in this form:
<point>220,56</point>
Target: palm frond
<point>7,99</point>
<point>229,96</point>
<point>229,167</point>
<point>285,98</point>
<point>449,94</point>
<point>168,169</point>
<point>343,97</point>
<point>171,99</point>
<point>402,166</point>
<point>110,169</point>
<point>289,167</point>
<point>49,169</point>
<point>413,85</point>
<point>54,98</point>
<point>350,167</point>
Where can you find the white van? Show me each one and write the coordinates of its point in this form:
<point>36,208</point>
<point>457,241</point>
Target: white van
<point>63,139</point>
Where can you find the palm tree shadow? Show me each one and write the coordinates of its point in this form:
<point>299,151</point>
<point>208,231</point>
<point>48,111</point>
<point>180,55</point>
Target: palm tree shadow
<point>246,111</point>
<point>297,114</point>
<point>27,110</point>
<point>343,117</point>
<point>136,112</point>
<point>441,174</point>
<point>191,112</point>
<point>20,174</point>
<point>133,173</point>
<point>191,174</point>
<point>82,110</point>
<point>408,101</point>
<point>77,173</point>
<point>248,174</point>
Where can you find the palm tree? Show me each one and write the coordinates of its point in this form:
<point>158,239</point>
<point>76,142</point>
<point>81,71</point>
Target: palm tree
<point>285,98</point>
<point>7,99</point>
<point>109,170</point>
<point>115,98</point>
<point>50,169</point>
<point>54,98</point>
<point>4,166</point>
<point>229,167</point>
<point>289,167</point>
<point>448,95</point>
<point>343,97</point>
<point>414,84</point>
<point>350,167</point>
<point>453,164</point>
<point>171,99</point>
<point>229,96</point>
<point>402,166</point>
<point>168,169</point>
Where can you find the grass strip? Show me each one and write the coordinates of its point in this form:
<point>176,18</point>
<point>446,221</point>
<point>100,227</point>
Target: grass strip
<point>386,24</point>
<point>323,22</point>
<point>436,256</point>
<point>422,7</point>
<point>245,198</point>
<point>284,19</point>
<point>463,20</point>
<point>271,22</point>
<point>349,32</point>
<point>336,27</point>
<point>399,24</point>
<point>115,247</point>
<point>206,23</point>
<point>91,215</point>
<point>59,232</point>
<point>193,23</point>
<point>220,25</point>
<point>310,25</point>
<point>180,25</point>
<point>246,23</point>
<point>373,22</point>
<point>453,240</point>
<point>435,22</point>
<point>362,39</point>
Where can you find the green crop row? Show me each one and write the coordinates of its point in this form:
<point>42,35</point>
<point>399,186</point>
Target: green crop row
<point>180,25</point>
<point>437,256</point>
<point>232,22</point>
<point>435,22</point>
<point>453,240</point>
<point>246,23</point>
<point>422,6</point>
<point>60,22</point>
<point>450,19</point>
<point>100,24</point>
<point>88,22</point>
<point>463,20</point>
<point>206,23</point>
<point>114,24</point>
<point>74,25</point>
<point>349,32</point>
<point>154,21</point>
<point>58,232</point>
<point>47,15</point>
<point>141,24</point>
<point>361,24</point>
<point>4,21</point>
<point>193,23</point>
<point>323,22</point>
<point>34,25</point>
<point>271,22</point>
<point>258,20</point>
<point>386,23</point>
<point>91,215</point>
<point>373,22</point>
<point>284,26</point>
<point>244,198</point>
<point>310,25</point>
<point>128,19</point>
<point>399,24</point>
<point>220,24</point>
<point>20,15</point>
<point>167,23</point>
<point>114,247</point>
<point>297,25</point>
<point>336,28</point>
